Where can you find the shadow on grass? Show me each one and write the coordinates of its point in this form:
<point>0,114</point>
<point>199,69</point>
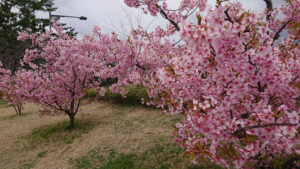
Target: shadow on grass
<point>60,132</point>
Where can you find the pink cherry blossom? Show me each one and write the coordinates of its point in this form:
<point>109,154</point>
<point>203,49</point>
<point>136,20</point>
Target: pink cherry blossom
<point>234,80</point>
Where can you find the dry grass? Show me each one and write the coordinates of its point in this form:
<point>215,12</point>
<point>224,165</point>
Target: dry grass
<point>138,134</point>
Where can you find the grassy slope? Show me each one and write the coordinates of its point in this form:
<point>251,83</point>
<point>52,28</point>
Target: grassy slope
<point>107,137</point>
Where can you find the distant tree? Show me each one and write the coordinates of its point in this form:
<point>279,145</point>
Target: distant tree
<point>17,16</point>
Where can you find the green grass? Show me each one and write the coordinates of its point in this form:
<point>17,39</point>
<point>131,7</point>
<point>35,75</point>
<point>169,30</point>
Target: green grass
<point>3,102</point>
<point>160,156</point>
<point>124,161</point>
<point>92,93</point>
<point>91,160</point>
<point>42,154</point>
<point>94,160</point>
<point>60,132</point>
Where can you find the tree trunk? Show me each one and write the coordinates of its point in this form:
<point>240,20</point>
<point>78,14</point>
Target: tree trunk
<point>72,121</point>
<point>18,109</point>
<point>19,106</point>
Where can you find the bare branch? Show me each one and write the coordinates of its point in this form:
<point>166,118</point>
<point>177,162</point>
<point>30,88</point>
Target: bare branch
<point>164,14</point>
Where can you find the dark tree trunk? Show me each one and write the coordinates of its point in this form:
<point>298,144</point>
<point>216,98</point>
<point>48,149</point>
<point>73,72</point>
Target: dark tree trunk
<point>18,109</point>
<point>72,121</point>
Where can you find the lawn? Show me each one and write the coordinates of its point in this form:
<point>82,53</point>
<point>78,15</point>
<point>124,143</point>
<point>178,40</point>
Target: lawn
<point>107,136</point>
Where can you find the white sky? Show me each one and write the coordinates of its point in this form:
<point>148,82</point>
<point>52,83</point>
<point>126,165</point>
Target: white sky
<point>111,14</point>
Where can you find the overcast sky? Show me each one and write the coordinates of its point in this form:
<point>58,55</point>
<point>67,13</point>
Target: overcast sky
<point>112,15</point>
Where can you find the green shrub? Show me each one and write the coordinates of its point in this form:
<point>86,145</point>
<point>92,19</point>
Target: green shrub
<point>92,93</point>
<point>133,97</point>
<point>109,82</point>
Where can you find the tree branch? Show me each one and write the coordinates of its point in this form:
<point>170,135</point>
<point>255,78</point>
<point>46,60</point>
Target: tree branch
<point>78,105</point>
<point>271,125</point>
<point>231,114</point>
<point>213,51</point>
<point>165,15</point>
<point>277,34</point>
<point>262,126</point>
<point>228,17</point>
<point>140,66</point>
<point>59,109</point>
<point>269,7</point>
<point>177,42</point>
<point>294,79</point>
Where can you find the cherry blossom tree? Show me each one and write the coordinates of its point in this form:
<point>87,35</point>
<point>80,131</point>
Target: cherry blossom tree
<point>61,69</point>
<point>12,90</point>
<point>232,76</point>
